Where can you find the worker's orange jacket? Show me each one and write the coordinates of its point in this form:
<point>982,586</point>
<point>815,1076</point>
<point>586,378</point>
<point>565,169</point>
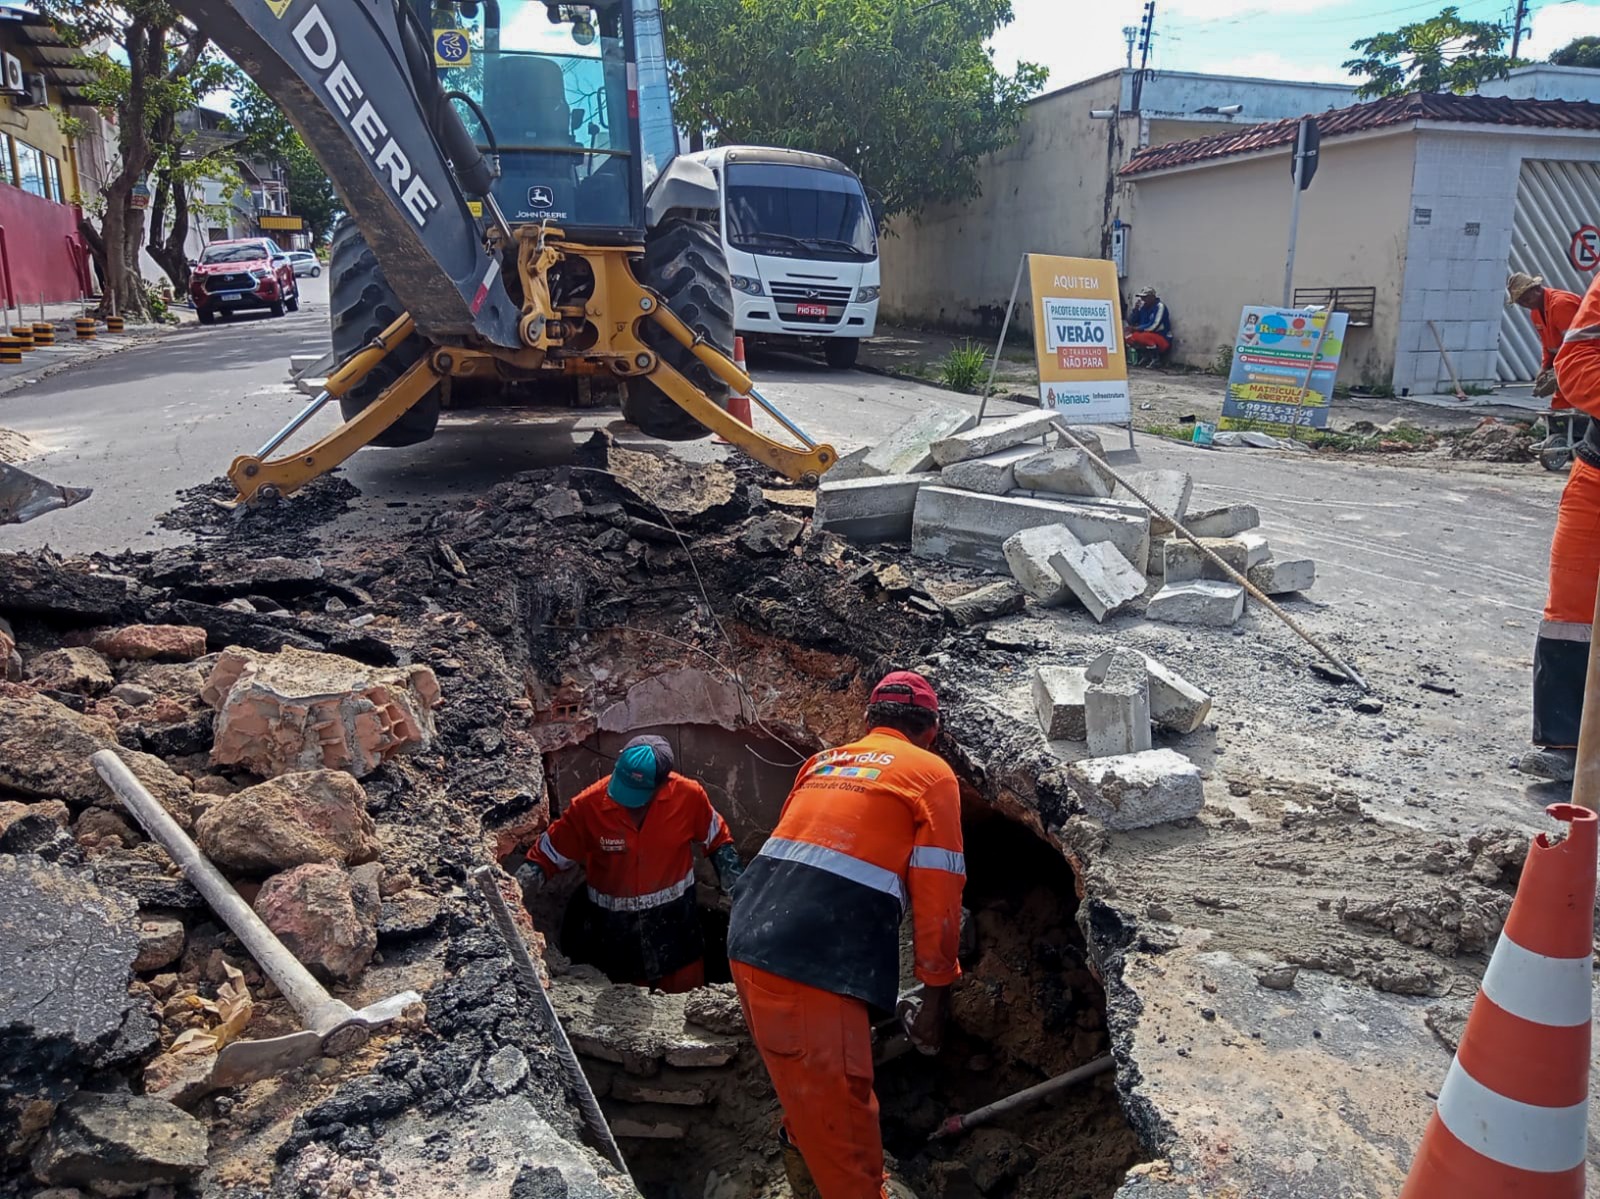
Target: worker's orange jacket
<point>1578,361</point>
<point>867,827</point>
<point>640,876</point>
<point>1551,322</point>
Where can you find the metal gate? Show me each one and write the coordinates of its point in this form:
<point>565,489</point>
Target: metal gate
<point>1557,202</point>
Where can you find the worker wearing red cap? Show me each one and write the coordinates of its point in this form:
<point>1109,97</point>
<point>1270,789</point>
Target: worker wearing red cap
<point>635,833</point>
<point>814,938</point>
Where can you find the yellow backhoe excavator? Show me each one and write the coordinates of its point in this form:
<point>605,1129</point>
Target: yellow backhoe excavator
<point>520,228</point>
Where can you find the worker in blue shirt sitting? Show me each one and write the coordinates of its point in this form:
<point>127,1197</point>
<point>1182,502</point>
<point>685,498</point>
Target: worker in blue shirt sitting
<point>1149,330</point>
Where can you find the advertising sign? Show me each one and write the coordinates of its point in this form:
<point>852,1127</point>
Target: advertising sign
<point>1284,364</point>
<point>1077,320</point>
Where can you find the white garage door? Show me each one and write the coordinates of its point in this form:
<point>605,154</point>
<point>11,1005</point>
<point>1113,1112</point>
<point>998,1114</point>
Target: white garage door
<point>1557,202</point>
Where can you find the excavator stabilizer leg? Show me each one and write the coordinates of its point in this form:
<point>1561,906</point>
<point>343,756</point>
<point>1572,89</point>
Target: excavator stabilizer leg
<point>24,496</point>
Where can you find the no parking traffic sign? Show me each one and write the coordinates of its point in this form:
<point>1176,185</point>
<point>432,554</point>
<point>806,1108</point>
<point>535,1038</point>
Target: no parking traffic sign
<point>1585,249</point>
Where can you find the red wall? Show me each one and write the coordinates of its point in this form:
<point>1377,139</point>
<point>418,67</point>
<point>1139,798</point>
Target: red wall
<point>43,251</point>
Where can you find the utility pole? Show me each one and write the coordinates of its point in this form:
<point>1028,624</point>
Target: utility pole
<point>1148,36</point>
<point>1130,34</point>
<point>1516,27</point>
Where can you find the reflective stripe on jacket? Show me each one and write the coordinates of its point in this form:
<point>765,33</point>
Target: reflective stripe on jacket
<point>868,828</point>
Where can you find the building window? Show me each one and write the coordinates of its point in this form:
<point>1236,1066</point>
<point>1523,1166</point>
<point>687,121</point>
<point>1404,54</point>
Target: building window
<point>53,189</point>
<point>7,171</point>
<point>30,169</point>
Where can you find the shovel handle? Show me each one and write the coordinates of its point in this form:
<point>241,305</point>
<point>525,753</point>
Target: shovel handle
<point>319,1011</point>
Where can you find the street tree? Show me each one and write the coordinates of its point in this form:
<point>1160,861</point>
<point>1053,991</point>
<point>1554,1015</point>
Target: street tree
<point>1442,54</point>
<point>149,64</point>
<point>904,92</point>
<point>268,134</point>
<point>1579,52</point>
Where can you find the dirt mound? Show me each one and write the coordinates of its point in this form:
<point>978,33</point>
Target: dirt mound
<point>1496,441</point>
<point>281,524</point>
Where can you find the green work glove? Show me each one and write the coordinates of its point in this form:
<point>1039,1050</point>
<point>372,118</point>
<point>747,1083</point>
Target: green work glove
<point>729,867</point>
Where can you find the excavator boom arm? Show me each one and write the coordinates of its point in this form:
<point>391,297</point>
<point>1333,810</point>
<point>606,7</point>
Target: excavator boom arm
<point>356,80</point>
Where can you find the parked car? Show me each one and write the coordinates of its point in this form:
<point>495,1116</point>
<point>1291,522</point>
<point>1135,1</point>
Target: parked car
<point>232,276</point>
<point>305,263</point>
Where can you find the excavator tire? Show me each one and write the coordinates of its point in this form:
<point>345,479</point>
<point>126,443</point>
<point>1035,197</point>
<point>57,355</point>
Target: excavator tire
<point>362,306</point>
<point>684,263</point>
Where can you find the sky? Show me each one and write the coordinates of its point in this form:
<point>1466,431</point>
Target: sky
<point>1306,40</point>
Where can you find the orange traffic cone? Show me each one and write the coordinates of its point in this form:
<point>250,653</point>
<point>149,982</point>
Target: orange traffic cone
<point>738,405</point>
<point>1512,1117</point>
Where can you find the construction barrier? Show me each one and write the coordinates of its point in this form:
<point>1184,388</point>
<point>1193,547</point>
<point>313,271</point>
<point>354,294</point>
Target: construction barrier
<point>10,351</point>
<point>114,324</point>
<point>738,405</point>
<point>84,327</point>
<point>24,334</point>
<point>1512,1117</point>
<point>44,333</point>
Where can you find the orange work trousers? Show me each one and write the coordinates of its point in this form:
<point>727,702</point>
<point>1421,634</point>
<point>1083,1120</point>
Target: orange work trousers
<point>1561,653</point>
<point>681,980</point>
<point>1150,341</point>
<point>817,1047</point>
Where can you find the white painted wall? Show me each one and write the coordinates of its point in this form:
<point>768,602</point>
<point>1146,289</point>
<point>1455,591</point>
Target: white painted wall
<point>1543,81</point>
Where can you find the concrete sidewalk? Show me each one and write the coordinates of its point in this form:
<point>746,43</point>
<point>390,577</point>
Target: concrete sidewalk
<point>43,361</point>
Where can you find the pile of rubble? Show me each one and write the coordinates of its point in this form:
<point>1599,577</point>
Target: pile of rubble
<point>1017,495</point>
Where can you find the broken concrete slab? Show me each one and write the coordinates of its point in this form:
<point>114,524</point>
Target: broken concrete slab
<point>908,449</point>
<point>120,1144</point>
<point>1117,707</point>
<point>1257,548</point>
<point>1226,521</point>
<point>1138,790</point>
<point>993,474</point>
<point>1168,490</point>
<point>299,710</point>
<point>1087,439</point>
<point>687,696</point>
<point>772,534</point>
<point>1202,602</point>
<point>1175,703</point>
<point>869,510</point>
<point>1058,697</point>
<point>1100,578</point>
<point>993,436</point>
<point>77,669</point>
<point>1064,472</point>
<point>323,918</point>
<point>152,643</point>
<point>64,1001</point>
<point>1286,577</point>
<point>852,466</point>
<point>1183,562</point>
<point>632,1028</point>
<point>970,530</point>
<point>985,603</point>
<point>309,816</point>
<point>1028,554</point>
<point>160,943</point>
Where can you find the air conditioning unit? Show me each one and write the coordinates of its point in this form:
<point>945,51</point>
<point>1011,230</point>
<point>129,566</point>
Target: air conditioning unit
<point>11,76</point>
<point>34,94</point>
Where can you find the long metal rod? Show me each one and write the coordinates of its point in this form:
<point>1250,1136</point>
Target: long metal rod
<point>1005,327</point>
<point>593,1118</point>
<point>1448,365</point>
<point>290,429</point>
<point>776,413</point>
<point>1255,592</point>
<point>1294,212</point>
<point>1586,769</point>
<point>956,1125</point>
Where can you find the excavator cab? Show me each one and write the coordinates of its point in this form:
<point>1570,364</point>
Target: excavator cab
<point>557,92</point>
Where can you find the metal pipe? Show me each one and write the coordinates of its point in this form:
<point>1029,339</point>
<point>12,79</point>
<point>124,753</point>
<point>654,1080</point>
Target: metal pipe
<point>956,1125</point>
<point>593,1118</point>
<point>777,414</point>
<point>1005,327</point>
<point>289,430</point>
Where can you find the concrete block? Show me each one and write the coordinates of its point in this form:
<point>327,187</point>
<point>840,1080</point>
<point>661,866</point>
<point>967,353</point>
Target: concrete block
<point>1282,578</point>
<point>1064,472</point>
<point>1203,602</point>
<point>1257,548</point>
<point>1181,562</point>
<point>1058,698</point>
<point>869,509</point>
<point>1168,490</point>
<point>1088,439</point>
<point>1138,790</point>
<point>986,603</point>
<point>1175,703</point>
<point>1117,708</point>
<point>970,530</point>
<point>992,436</point>
<point>1227,521</point>
<point>989,475</point>
<point>1028,554</point>
<point>1103,580</point>
<point>907,450</point>
<point>852,466</point>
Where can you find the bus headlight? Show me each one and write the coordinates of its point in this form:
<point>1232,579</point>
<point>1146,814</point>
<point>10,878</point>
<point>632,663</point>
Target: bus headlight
<point>867,294</point>
<point>750,286</point>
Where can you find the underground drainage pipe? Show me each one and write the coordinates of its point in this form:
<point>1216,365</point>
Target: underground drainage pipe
<point>956,1125</point>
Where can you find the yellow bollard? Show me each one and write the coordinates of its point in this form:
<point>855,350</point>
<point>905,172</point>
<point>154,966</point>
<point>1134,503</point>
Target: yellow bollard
<point>44,333</point>
<point>10,351</point>
<point>85,328</point>
<point>24,334</point>
<point>114,324</point>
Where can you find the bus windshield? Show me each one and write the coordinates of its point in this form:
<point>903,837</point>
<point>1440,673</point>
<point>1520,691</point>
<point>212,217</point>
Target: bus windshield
<point>798,212</point>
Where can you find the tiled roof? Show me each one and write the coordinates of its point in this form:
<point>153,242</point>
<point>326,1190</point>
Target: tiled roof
<point>1391,110</point>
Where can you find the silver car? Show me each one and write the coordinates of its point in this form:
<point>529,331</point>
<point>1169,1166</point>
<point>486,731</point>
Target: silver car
<point>305,263</point>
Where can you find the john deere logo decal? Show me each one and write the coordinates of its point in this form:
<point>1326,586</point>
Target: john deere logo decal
<point>541,197</point>
<point>279,7</point>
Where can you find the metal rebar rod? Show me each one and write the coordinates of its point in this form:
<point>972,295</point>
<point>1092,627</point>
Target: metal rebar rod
<point>593,1118</point>
<point>777,414</point>
<point>956,1125</point>
<point>999,346</point>
<point>1255,592</point>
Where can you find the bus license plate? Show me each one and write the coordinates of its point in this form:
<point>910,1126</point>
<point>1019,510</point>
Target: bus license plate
<point>811,310</point>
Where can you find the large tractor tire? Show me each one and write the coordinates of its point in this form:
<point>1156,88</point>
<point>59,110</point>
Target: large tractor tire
<point>684,264</point>
<point>362,305</point>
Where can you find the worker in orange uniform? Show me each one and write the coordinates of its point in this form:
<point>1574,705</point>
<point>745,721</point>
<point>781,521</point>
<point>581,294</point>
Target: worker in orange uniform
<point>635,833</point>
<point>1551,310</point>
<point>813,941</point>
<point>1561,654</point>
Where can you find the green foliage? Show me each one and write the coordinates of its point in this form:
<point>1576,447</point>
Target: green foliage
<point>1579,52</point>
<point>160,311</point>
<point>1442,54</point>
<point>1222,362</point>
<point>268,134</point>
<point>904,92</point>
<point>964,367</point>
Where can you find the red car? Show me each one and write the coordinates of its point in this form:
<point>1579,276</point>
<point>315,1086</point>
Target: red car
<point>232,276</point>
